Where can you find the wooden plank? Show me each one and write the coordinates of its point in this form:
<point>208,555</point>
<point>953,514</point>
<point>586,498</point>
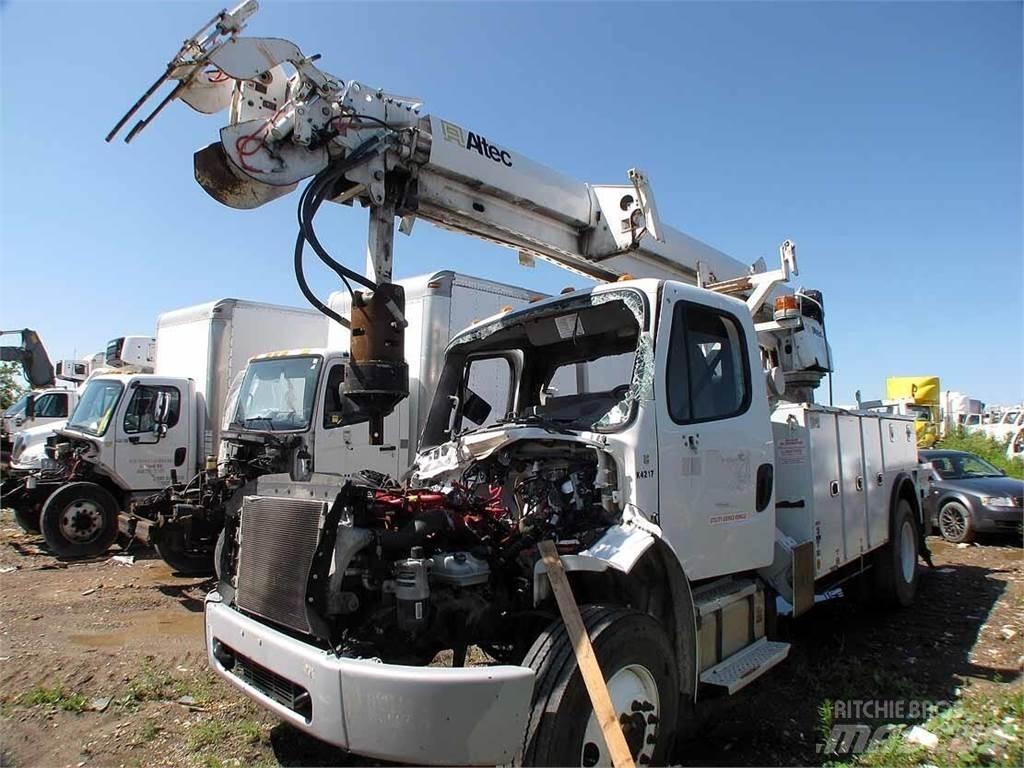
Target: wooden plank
<point>589,668</point>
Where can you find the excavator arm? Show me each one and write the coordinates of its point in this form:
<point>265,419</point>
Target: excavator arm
<point>31,356</point>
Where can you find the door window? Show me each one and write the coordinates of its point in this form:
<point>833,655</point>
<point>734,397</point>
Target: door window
<point>52,406</point>
<point>491,379</point>
<point>139,415</point>
<point>708,376</point>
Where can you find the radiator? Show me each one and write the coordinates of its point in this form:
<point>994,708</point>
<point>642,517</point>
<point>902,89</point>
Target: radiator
<point>278,537</point>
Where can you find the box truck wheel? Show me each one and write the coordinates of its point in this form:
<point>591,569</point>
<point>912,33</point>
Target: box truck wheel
<point>79,520</point>
<point>896,564</point>
<point>171,545</point>
<point>639,666</point>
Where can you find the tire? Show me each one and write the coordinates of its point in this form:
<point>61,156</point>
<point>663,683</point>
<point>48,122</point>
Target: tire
<point>79,520</point>
<point>954,523</point>
<point>896,563</point>
<point>218,553</point>
<point>170,545</point>
<point>27,518</point>
<point>637,660</point>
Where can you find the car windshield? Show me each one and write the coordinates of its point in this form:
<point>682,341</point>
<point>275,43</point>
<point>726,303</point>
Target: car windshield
<point>277,394</point>
<point>960,466</point>
<point>92,414</point>
<point>18,407</point>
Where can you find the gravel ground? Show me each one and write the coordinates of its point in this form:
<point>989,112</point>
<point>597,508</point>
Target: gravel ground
<point>103,665</point>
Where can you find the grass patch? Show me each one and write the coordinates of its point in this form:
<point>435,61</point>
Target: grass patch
<point>207,734</point>
<point>250,731</point>
<point>155,684</point>
<point>991,450</point>
<point>150,730</point>
<point>977,730</point>
<point>55,696</point>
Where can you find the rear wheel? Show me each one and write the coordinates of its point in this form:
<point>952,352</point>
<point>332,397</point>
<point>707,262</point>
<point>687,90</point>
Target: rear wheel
<point>639,666</point>
<point>79,520</point>
<point>896,564</point>
<point>955,523</point>
<point>173,548</point>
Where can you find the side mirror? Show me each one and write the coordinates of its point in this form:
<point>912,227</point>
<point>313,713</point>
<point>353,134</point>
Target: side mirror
<point>30,407</point>
<point>161,413</point>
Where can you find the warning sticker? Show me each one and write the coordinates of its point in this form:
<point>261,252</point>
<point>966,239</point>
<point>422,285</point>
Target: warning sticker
<point>727,518</point>
<point>790,451</point>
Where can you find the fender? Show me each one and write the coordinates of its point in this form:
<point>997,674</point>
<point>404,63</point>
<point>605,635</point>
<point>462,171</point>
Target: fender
<point>905,485</point>
<point>637,545</point>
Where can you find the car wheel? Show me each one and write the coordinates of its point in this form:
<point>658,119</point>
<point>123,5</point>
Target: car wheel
<point>955,523</point>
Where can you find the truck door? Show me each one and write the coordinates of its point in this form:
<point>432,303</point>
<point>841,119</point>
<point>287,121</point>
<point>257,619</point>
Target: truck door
<point>715,446</point>
<point>144,461</point>
<point>342,447</point>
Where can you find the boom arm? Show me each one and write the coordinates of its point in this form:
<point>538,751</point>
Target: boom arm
<point>289,121</point>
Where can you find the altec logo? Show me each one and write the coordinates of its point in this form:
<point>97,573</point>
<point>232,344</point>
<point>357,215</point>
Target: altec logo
<point>470,140</point>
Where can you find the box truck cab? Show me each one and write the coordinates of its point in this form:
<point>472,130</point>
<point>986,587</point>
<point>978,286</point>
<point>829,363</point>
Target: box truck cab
<point>131,435</point>
<point>288,414</point>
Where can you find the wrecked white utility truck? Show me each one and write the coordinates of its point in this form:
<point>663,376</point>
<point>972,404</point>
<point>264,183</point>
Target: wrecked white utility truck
<point>682,497</point>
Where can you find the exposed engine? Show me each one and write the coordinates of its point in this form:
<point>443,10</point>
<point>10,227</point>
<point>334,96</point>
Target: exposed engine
<point>402,573</point>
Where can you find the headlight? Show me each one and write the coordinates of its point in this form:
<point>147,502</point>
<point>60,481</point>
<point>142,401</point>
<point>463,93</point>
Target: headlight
<point>998,501</point>
<point>19,444</point>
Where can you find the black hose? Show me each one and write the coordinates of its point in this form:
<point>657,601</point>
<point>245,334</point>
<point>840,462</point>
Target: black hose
<point>312,197</point>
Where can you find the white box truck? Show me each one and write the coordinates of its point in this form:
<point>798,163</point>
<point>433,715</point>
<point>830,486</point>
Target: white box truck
<point>131,434</point>
<point>287,414</point>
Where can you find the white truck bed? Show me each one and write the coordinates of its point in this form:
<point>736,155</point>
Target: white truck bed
<point>834,475</point>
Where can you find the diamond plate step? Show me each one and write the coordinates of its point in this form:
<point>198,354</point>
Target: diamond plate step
<point>744,667</point>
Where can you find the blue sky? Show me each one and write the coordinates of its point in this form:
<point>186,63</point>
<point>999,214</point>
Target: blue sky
<point>885,139</point>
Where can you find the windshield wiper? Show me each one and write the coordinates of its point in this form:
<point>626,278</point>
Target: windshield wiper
<point>270,423</point>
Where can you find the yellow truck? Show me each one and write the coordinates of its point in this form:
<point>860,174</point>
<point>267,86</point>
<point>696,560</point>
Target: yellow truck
<point>917,396</point>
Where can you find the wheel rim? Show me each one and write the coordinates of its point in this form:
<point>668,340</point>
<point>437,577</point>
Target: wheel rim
<point>81,521</point>
<point>953,521</point>
<point>908,551</point>
<point>634,696</point>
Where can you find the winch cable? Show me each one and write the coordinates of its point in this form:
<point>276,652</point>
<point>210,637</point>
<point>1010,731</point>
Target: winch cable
<point>312,198</point>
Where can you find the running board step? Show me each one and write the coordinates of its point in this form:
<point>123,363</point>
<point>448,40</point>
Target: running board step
<point>744,667</point>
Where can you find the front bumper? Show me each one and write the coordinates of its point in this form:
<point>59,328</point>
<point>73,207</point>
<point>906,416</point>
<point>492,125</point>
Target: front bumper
<point>991,519</point>
<point>420,715</point>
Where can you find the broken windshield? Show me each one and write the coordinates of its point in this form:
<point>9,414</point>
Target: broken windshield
<point>277,394</point>
<point>579,364</point>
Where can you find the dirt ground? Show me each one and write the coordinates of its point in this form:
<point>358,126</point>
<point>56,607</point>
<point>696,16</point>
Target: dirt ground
<point>102,664</point>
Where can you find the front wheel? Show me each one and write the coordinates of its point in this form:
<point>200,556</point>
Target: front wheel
<point>79,520</point>
<point>955,523</point>
<point>639,666</point>
<point>896,564</point>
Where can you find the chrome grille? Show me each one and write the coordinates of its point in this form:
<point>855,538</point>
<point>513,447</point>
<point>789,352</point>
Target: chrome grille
<point>278,540</point>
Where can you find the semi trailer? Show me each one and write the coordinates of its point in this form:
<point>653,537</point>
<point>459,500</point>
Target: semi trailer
<point>681,498</point>
<point>132,433</point>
